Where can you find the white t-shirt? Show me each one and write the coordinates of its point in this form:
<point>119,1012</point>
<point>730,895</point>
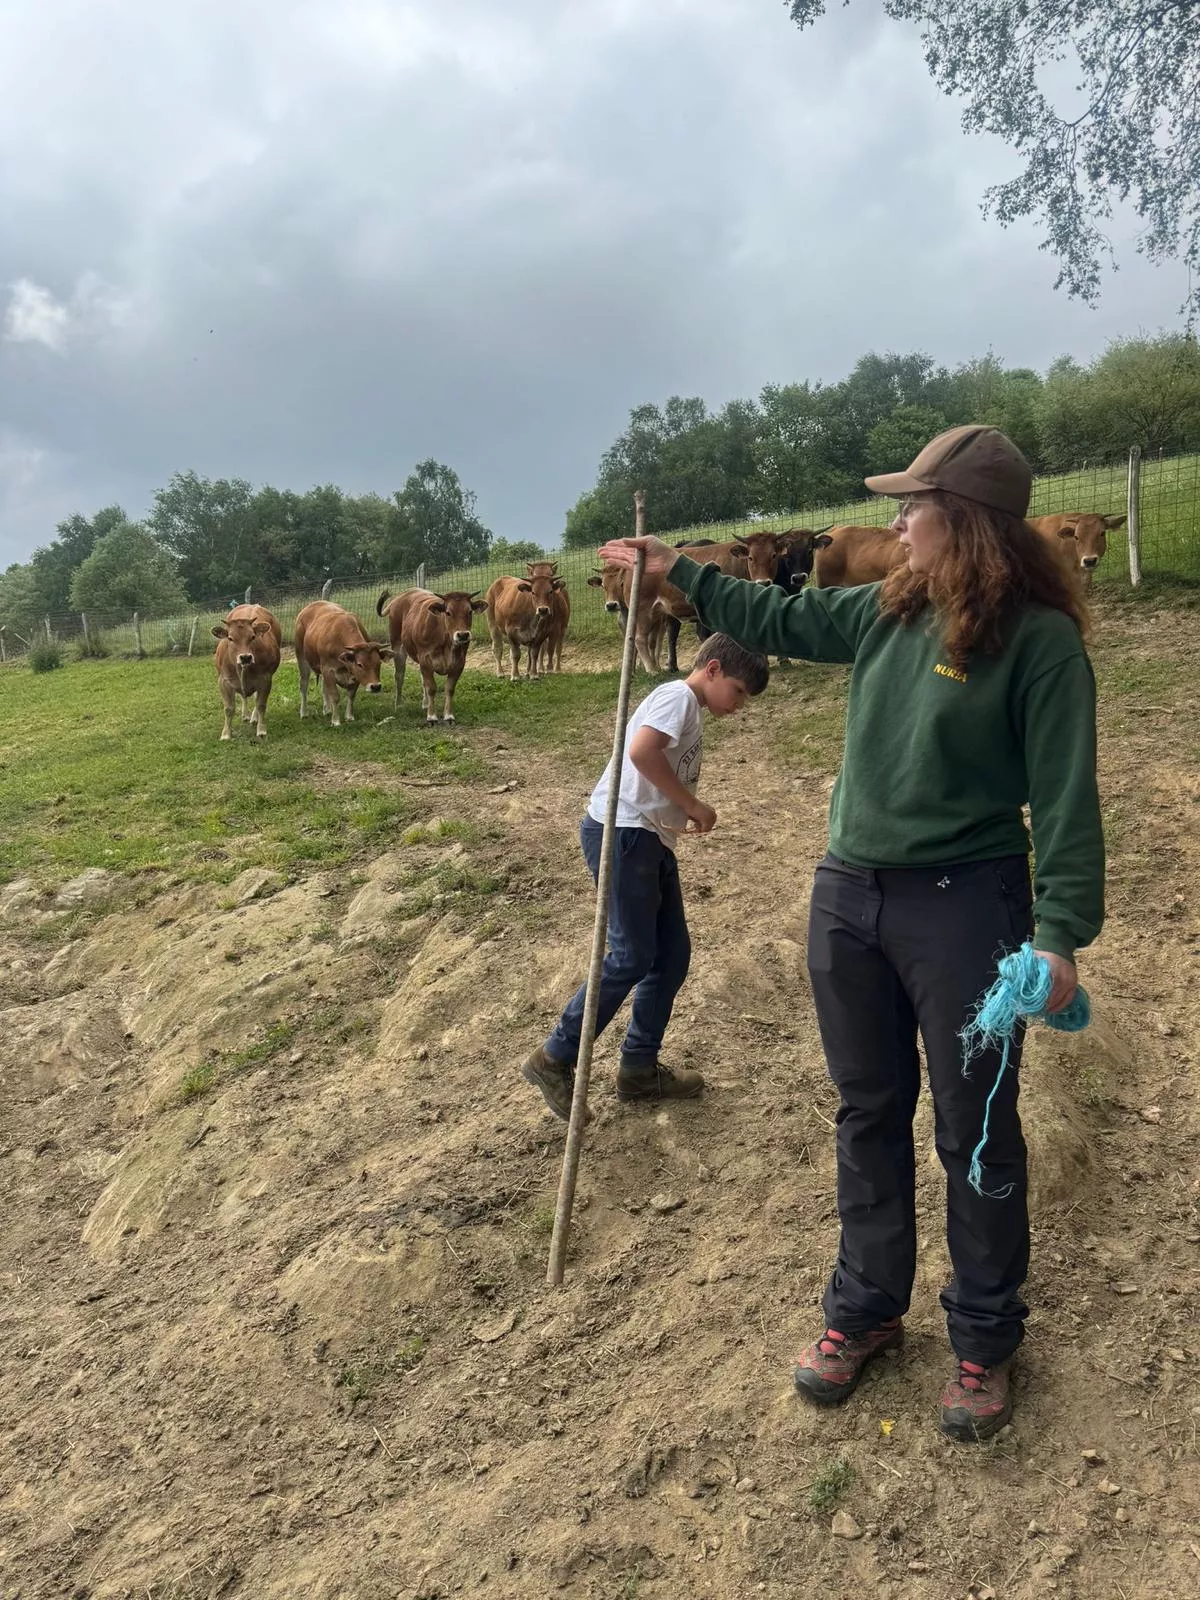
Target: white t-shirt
<point>672,709</point>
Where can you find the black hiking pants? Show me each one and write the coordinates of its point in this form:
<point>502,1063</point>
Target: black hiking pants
<point>890,952</point>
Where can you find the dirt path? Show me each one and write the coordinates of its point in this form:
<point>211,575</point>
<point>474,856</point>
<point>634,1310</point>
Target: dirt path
<point>289,1337</point>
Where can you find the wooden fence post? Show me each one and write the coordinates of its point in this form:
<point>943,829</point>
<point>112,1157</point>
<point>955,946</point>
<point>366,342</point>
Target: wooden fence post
<point>192,639</point>
<point>49,635</point>
<point>87,643</point>
<point>1133,509</point>
<point>3,648</point>
<point>325,588</point>
<point>246,601</point>
<point>137,634</point>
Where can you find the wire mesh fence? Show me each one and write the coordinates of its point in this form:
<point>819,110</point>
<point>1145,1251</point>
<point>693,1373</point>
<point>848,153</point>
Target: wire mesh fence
<point>1167,498</point>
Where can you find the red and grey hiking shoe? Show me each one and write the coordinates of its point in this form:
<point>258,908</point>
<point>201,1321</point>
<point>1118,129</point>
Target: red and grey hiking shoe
<point>829,1371</point>
<point>976,1402</point>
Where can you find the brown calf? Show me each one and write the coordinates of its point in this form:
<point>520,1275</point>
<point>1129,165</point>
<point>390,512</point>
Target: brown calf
<point>560,613</point>
<point>435,630</point>
<point>246,658</point>
<point>768,553</point>
<point>521,612</point>
<point>1087,533</point>
<point>852,555</point>
<point>660,602</point>
<point>331,641</point>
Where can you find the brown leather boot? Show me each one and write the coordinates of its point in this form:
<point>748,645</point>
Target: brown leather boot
<point>639,1080</point>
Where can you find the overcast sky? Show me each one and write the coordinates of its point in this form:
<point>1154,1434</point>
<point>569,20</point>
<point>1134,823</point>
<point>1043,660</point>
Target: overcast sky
<point>303,241</point>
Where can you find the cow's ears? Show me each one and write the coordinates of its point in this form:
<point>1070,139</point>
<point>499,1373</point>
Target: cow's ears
<point>525,588</point>
<point>595,582</point>
<point>478,605</point>
<point>1067,532</point>
<point>220,631</point>
<point>439,606</point>
<point>1115,522</point>
<point>822,541</point>
<point>558,583</point>
<point>261,627</point>
<point>386,652</point>
<point>739,549</point>
<point>346,655</point>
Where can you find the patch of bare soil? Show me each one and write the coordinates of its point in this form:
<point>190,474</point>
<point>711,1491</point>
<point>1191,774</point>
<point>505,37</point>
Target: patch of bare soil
<point>287,1335</point>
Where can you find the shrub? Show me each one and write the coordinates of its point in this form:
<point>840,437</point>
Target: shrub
<point>92,646</point>
<point>45,657</point>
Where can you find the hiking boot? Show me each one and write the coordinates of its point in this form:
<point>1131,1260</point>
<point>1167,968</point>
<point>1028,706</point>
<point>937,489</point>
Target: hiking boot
<point>829,1371</point>
<point>640,1080</point>
<point>976,1403</point>
<point>556,1080</point>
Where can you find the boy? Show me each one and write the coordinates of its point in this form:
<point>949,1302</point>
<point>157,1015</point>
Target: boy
<point>648,943</point>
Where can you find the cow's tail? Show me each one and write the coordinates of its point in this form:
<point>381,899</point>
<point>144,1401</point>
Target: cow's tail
<point>382,602</point>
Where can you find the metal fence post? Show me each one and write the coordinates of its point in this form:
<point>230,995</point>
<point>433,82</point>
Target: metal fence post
<point>1133,507</point>
<point>137,634</point>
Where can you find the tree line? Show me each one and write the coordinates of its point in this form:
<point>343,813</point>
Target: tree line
<point>803,445</point>
<point>208,540</point>
<point>797,446</point>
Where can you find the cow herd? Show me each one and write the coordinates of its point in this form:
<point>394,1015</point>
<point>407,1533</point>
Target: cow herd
<point>530,615</point>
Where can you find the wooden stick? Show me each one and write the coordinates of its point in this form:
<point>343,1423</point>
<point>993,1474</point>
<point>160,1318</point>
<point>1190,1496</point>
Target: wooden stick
<point>587,1037</point>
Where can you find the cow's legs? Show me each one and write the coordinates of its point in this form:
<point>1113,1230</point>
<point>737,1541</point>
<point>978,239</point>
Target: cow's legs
<point>260,709</point>
<point>642,643</point>
<point>350,693</point>
<point>448,701</point>
<point>228,697</point>
<point>302,664</point>
<point>515,647</point>
<point>330,696</point>
<point>673,627</point>
<point>429,697</point>
<point>498,649</point>
<point>401,663</point>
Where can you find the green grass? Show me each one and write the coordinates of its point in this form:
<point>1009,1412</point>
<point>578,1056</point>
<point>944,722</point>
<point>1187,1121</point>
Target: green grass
<point>118,764</point>
<point>224,1064</point>
<point>361,1377</point>
<point>830,1483</point>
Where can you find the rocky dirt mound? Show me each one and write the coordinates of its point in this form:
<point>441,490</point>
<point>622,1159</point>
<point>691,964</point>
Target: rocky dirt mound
<point>278,1207</point>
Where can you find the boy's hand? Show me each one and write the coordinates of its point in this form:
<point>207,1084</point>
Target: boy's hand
<point>623,553</point>
<point>702,817</point>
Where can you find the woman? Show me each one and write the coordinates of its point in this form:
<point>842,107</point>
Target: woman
<point>971,695</point>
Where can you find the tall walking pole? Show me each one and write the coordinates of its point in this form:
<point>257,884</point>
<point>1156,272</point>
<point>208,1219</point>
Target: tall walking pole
<point>587,1037</point>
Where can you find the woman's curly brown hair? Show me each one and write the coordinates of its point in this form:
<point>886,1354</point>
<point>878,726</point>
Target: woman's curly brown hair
<point>993,566</point>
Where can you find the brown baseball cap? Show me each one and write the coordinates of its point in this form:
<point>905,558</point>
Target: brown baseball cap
<point>976,462</point>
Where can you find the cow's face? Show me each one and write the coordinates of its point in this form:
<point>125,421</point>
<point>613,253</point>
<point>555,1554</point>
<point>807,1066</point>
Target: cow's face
<point>542,589</point>
<point>762,552</point>
<point>799,547</point>
<point>457,607</point>
<point>1090,533</point>
<point>245,637</point>
<point>611,579</point>
<point>358,666</point>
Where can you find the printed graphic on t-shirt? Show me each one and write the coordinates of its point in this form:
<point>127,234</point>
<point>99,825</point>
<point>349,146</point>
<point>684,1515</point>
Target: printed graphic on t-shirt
<point>689,764</point>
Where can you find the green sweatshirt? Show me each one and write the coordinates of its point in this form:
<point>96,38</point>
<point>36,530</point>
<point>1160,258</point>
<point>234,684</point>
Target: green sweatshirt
<point>939,763</point>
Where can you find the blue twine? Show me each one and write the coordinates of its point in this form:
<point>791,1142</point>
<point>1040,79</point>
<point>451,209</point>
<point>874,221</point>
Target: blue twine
<point>1020,992</point>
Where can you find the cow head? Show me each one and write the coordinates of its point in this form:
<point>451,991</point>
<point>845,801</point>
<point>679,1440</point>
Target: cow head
<point>358,665</point>
<point>540,589</point>
<point>610,578</point>
<point>457,607</point>
<point>1090,533</point>
<point>244,635</point>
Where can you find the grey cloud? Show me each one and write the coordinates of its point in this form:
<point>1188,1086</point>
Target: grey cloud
<point>317,242</point>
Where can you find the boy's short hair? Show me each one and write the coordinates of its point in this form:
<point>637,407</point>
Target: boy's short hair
<point>747,666</point>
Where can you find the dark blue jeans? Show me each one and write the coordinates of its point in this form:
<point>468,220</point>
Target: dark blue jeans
<point>648,945</point>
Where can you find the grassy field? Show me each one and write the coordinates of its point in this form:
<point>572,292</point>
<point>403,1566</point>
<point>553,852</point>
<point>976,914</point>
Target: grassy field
<point>118,764</point>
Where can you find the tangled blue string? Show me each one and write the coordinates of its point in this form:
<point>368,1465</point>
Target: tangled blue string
<point>1019,993</point>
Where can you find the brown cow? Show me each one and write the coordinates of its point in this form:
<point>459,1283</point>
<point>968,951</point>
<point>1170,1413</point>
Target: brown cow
<point>793,549</point>
<point>247,657</point>
<point>853,555</point>
<point>1087,532</point>
<point>331,641</point>
<point>560,613</point>
<point>659,601</point>
<point>435,630</point>
<point>520,611</point>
